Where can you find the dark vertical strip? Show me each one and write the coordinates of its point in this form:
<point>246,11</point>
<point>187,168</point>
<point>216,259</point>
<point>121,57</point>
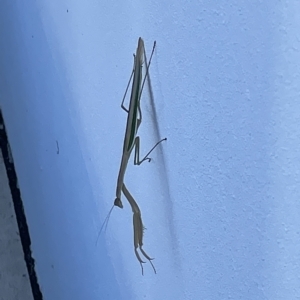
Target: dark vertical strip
<point>19,210</point>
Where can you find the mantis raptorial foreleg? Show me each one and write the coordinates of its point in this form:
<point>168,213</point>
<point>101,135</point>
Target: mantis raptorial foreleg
<point>138,229</point>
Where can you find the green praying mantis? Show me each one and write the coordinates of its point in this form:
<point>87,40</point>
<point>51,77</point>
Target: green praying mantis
<point>132,141</point>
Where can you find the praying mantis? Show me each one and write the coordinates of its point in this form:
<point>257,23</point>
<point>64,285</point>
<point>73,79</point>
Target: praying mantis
<point>132,141</point>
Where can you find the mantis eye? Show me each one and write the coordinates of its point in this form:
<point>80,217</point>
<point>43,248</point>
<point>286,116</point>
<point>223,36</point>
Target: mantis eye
<point>118,203</point>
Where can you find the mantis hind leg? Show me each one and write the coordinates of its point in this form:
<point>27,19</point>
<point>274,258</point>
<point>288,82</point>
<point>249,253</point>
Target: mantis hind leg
<point>122,104</point>
<point>147,66</point>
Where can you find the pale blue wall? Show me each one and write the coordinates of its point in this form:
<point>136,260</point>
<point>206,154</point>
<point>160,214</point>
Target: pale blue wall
<point>220,198</point>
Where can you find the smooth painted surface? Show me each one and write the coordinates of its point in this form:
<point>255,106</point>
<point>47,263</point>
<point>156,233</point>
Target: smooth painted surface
<point>220,198</point>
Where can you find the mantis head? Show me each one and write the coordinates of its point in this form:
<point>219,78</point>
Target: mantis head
<point>118,203</point>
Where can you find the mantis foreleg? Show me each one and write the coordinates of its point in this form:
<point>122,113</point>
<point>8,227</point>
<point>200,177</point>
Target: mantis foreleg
<point>138,229</point>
